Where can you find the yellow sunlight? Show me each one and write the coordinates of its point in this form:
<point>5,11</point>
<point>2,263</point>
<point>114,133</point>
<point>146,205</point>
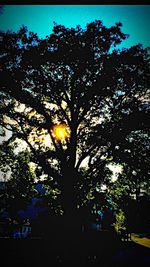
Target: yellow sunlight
<point>60,132</point>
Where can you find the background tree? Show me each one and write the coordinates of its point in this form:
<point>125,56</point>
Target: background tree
<point>72,97</point>
<point>19,187</point>
<point>132,186</point>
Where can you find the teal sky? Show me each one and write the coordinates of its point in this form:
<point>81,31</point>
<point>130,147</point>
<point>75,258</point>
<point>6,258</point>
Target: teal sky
<point>39,18</point>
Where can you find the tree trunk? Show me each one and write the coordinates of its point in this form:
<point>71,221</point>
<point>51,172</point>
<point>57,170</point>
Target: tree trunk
<point>137,193</point>
<point>69,201</point>
<point>68,193</point>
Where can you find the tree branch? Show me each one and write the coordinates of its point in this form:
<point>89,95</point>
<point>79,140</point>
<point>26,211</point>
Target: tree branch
<point>23,96</point>
<point>84,155</point>
<point>40,158</point>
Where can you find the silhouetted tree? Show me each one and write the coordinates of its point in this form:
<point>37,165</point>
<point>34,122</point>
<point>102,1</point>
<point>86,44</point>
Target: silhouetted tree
<point>76,79</point>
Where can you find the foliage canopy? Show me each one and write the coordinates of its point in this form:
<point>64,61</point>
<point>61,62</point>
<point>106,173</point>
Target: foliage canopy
<point>77,78</point>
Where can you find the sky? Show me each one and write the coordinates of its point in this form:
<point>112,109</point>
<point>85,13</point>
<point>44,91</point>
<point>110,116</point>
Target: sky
<point>40,18</point>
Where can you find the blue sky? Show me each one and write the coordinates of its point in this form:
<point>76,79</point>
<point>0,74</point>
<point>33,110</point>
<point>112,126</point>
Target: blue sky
<point>39,18</point>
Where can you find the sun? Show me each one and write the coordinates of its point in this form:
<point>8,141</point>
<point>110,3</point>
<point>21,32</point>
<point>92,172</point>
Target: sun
<point>60,132</point>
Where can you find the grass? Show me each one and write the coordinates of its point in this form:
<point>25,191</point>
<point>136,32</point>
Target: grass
<point>141,239</point>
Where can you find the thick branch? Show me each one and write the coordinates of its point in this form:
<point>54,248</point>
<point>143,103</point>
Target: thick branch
<point>40,158</point>
<point>84,155</point>
<point>14,89</point>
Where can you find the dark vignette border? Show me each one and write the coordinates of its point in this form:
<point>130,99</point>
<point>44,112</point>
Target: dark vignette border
<point>75,2</point>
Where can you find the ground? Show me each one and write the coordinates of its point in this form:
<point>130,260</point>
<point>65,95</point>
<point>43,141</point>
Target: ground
<point>97,250</point>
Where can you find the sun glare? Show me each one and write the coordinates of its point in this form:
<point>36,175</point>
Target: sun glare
<point>60,132</point>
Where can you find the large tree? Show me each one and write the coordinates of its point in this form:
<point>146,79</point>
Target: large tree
<point>74,99</point>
